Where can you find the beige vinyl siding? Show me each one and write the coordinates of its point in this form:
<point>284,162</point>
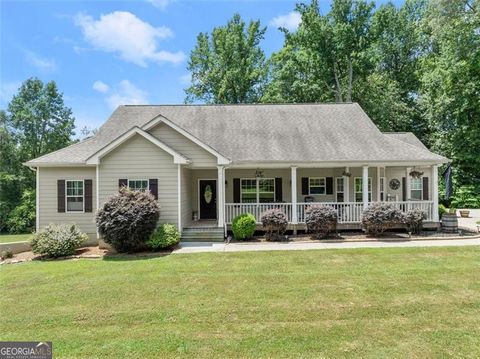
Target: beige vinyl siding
<point>138,158</point>
<point>284,173</point>
<point>186,196</point>
<point>399,173</point>
<point>317,172</point>
<point>175,140</point>
<point>48,198</point>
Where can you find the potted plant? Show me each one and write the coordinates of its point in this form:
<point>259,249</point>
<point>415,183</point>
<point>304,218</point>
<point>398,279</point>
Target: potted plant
<point>464,213</point>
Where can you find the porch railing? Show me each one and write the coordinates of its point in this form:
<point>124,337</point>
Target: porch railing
<point>234,209</point>
<point>348,212</point>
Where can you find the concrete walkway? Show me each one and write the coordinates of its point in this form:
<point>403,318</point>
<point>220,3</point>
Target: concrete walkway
<point>470,222</point>
<point>195,247</point>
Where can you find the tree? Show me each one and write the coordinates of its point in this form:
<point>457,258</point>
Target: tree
<point>39,122</point>
<point>228,66</point>
<point>450,84</point>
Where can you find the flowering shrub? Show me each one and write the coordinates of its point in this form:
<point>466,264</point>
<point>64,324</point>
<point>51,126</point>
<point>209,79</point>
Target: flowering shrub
<point>165,236</point>
<point>414,220</point>
<point>321,220</point>
<point>58,240</point>
<point>127,219</point>
<point>378,217</point>
<point>243,226</point>
<point>275,224</point>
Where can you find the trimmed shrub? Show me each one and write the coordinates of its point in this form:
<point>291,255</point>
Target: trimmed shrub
<point>127,219</point>
<point>321,220</point>
<point>414,220</point>
<point>243,226</point>
<point>165,236</point>
<point>274,223</point>
<point>378,217</point>
<point>58,240</point>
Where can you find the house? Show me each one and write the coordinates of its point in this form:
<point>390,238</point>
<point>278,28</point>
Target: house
<point>208,163</point>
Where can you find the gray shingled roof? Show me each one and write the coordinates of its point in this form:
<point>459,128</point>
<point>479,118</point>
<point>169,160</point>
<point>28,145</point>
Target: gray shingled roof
<point>407,137</point>
<point>264,133</point>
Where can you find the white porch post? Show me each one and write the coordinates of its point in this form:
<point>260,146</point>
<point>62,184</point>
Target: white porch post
<point>220,195</point>
<point>346,185</point>
<point>365,186</point>
<point>97,195</point>
<point>435,192</point>
<point>378,184</point>
<point>294,194</point>
<point>179,197</point>
<point>407,183</point>
<point>37,200</point>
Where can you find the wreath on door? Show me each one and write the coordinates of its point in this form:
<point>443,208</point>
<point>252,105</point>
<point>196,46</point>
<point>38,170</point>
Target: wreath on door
<point>394,184</point>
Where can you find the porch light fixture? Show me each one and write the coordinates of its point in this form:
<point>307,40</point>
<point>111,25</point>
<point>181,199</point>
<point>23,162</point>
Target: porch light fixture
<point>415,174</point>
<point>258,173</point>
<point>347,174</point>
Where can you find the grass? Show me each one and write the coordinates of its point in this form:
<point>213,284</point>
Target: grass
<point>395,302</point>
<point>6,238</point>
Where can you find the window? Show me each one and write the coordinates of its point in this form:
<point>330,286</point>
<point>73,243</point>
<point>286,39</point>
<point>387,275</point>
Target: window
<point>340,189</point>
<point>74,196</point>
<point>382,188</point>
<point>316,185</point>
<point>358,189</point>
<point>257,190</point>
<point>416,188</point>
<point>138,185</point>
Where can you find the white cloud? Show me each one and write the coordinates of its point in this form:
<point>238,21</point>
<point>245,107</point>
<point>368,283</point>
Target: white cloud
<point>100,86</point>
<point>39,62</point>
<point>289,21</point>
<point>161,4</point>
<point>133,39</point>
<point>126,93</point>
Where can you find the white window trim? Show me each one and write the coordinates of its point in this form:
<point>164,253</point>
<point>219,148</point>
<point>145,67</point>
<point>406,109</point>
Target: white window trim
<point>421,190</point>
<point>355,189</point>
<point>257,191</point>
<point>140,179</point>
<point>66,196</point>
<point>324,186</point>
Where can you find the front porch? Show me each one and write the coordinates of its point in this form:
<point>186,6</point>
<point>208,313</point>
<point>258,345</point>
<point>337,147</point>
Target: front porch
<point>219,195</point>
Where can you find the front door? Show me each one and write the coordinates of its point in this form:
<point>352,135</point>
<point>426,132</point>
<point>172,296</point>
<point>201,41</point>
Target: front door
<point>208,199</point>
<point>340,190</point>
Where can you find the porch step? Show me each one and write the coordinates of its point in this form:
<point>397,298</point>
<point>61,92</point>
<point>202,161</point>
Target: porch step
<point>203,234</point>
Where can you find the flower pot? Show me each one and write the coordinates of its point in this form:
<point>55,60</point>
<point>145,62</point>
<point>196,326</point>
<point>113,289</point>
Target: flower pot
<point>450,222</point>
<point>464,213</point>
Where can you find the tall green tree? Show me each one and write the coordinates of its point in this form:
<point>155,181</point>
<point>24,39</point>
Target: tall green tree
<point>450,84</point>
<point>228,65</point>
<point>37,122</point>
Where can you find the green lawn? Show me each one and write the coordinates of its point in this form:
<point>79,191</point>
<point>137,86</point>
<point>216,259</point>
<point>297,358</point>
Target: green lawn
<point>382,303</point>
<point>5,238</point>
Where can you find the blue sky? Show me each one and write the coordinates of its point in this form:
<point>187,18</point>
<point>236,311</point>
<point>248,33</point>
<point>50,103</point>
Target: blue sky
<point>106,53</point>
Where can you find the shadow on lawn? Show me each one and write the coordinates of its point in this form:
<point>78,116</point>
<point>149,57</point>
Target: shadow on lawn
<point>113,256</point>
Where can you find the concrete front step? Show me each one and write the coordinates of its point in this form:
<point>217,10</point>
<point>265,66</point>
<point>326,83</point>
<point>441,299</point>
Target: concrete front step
<point>213,234</point>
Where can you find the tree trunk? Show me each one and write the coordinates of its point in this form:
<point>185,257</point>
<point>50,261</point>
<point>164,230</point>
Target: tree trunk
<point>350,80</point>
<point>338,92</point>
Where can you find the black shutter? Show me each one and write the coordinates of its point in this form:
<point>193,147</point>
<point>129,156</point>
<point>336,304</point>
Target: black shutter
<point>425,189</point>
<point>329,183</point>
<point>404,189</point>
<point>61,196</point>
<point>305,186</point>
<point>278,189</point>
<point>153,186</point>
<point>236,190</point>
<point>122,183</point>
<point>88,195</point>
